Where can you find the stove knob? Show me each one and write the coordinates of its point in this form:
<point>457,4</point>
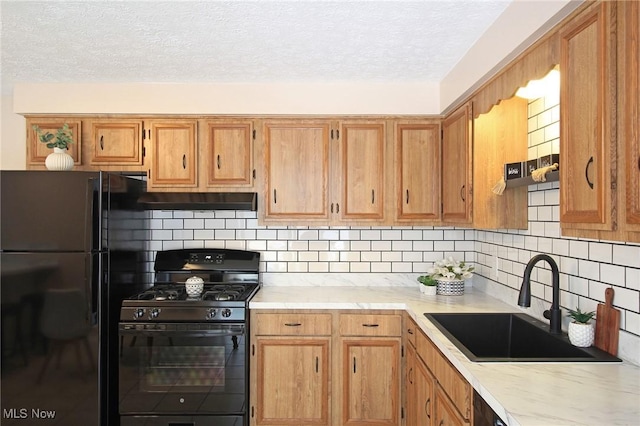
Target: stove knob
<point>226,312</point>
<point>211,313</point>
<point>154,312</point>
<point>138,313</point>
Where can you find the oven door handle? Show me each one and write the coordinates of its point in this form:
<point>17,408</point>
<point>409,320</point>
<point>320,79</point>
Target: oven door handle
<point>180,330</point>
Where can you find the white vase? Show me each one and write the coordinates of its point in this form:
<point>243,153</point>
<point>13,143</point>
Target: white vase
<point>59,160</point>
<point>450,287</point>
<point>428,290</point>
<point>581,335</point>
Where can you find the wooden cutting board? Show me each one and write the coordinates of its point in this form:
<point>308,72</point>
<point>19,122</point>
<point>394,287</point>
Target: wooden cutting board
<point>607,325</point>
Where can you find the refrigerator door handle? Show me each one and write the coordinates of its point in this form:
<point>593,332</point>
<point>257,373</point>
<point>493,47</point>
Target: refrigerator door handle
<point>89,207</point>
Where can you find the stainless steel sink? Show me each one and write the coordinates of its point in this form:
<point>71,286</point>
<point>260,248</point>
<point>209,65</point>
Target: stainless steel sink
<point>511,337</point>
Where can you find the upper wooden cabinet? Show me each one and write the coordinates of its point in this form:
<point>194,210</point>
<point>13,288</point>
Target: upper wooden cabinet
<point>173,154</point>
<point>37,151</point>
<point>629,101</point>
<point>116,141</point>
<point>587,118</point>
<point>457,150</point>
<point>319,171</point>
<point>228,148</point>
<point>417,167</point>
<point>360,181</point>
<point>499,137</point>
<point>296,168</point>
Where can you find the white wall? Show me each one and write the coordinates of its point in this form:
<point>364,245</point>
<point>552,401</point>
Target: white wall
<point>13,146</point>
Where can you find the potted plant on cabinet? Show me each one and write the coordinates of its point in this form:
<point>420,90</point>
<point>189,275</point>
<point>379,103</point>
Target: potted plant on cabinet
<point>581,329</point>
<point>450,275</point>
<point>428,285</point>
<point>58,159</point>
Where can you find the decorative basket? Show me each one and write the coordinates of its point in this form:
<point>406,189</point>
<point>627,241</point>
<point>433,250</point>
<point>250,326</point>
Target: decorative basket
<point>450,287</point>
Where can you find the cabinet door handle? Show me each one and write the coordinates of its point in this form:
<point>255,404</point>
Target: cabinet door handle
<point>462,193</point>
<point>317,365</point>
<point>337,208</point>
<point>373,196</point>
<point>218,161</point>
<point>638,163</point>
<point>407,196</point>
<point>586,172</point>
<point>354,365</point>
<point>409,374</point>
<point>409,331</point>
<point>427,407</point>
<point>293,324</point>
<point>370,325</point>
<point>102,142</point>
<point>275,199</point>
<point>184,161</point>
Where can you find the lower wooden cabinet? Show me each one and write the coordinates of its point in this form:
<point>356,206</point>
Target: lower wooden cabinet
<point>436,393</point>
<point>292,381</point>
<point>371,381</point>
<point>419,388</point>
<point>325,368</point>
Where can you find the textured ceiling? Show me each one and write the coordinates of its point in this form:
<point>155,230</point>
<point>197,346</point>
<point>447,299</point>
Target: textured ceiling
<point>238,41</point>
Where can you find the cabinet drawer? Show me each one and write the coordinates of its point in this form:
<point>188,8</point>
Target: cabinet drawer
<point>292,324</point>
<point>426,350</point>
<point>412,331</point>
<point>370,325</point>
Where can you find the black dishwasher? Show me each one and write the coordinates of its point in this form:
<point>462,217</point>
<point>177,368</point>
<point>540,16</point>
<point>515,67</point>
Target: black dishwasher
<point>483,415</point>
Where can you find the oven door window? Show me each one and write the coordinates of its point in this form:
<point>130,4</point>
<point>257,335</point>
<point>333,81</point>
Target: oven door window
<point>185,371</point>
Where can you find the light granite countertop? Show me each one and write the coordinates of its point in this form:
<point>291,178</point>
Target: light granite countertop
<point>526,394</point>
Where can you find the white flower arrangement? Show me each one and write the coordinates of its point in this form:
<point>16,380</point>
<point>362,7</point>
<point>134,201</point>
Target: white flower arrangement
<point>451,269</point>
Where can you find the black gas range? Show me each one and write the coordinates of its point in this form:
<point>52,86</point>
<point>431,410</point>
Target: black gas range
<point>229,277</point>
<point>184,341</point>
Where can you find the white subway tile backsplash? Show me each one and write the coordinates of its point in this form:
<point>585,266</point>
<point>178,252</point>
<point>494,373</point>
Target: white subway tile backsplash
<point>339,267</point>
<point>627,299</point>
<point>579,249</point>
<point>391,234</point>
<point>329,234</point>
<point>308,256</point>
<point>612,274</point>
<point>287,256</point>
<point>633,278</point>
<point>390,256</point>
<point>308,234</point>
<point>319,245</point>
<point>626,255</point>
<point>590,270</point>
<point>276,245</point>
<point>318,267</point>
<point>381,245</point>
<point>401,245</point>
<point>298,246</point>
<point>373,234</point>
<point>214,223</point>
<point>329,256</point>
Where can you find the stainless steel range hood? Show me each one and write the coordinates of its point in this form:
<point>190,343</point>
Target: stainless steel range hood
<point>199,201</point>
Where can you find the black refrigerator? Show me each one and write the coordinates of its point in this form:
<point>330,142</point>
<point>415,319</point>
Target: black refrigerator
<point>72,246</point>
